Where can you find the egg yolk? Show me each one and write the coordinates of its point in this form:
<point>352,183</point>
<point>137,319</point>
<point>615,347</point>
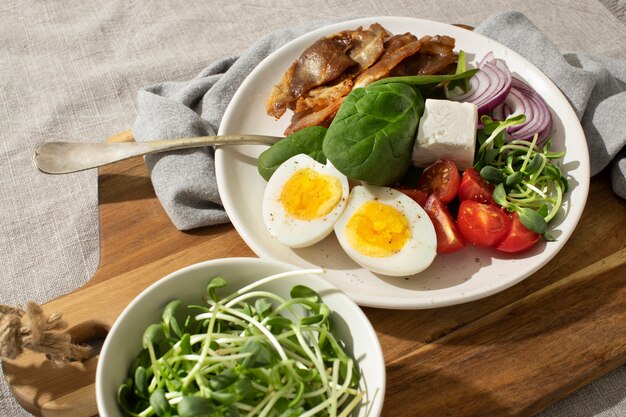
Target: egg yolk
<point>377,230</point>
<point>309,195</point>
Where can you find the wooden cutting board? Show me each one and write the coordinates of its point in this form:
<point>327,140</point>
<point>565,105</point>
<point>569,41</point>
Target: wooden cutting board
<point>511,354</point>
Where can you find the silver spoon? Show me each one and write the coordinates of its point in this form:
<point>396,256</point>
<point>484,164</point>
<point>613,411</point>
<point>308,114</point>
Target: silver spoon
<point>67,157</point>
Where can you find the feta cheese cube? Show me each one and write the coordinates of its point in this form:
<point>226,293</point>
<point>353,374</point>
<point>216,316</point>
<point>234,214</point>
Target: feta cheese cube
<point>447,130</point>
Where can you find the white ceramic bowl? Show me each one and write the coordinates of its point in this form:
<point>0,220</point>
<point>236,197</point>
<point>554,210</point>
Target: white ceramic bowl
<point>123,343</point>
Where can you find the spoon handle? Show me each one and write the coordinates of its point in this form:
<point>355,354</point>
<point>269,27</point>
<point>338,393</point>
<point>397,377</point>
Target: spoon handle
<point>67,157</point>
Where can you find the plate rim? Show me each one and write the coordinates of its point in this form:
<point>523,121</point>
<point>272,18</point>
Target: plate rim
<point>582,186</point>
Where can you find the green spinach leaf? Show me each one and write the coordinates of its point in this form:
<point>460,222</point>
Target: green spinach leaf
<point>307,141</point>
<point>372,135</point>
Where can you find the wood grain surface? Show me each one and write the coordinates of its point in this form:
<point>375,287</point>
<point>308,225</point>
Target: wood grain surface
<point>511,354</point>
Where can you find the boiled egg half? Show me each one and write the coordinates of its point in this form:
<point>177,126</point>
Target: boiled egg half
<point>302,201</point>
<point>386,232</point>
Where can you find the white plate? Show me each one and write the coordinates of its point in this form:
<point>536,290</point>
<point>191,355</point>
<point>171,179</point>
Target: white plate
<point>469,274</point>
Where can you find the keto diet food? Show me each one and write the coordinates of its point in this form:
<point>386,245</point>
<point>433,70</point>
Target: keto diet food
<point>468,144</point>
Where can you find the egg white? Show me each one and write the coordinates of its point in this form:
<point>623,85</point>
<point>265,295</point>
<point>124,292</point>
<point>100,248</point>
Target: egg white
<point>291,231</point>
<point>418,252</point>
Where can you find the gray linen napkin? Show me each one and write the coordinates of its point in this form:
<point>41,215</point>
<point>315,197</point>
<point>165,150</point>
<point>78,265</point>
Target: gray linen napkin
<point>185,183</point>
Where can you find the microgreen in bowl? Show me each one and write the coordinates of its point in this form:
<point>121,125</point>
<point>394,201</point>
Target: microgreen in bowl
<point>251,353</point>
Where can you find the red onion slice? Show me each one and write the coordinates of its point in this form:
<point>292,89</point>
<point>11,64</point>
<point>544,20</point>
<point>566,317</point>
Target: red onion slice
<point>489,57</point>
<point>524,99</point>
<point>488,87</point>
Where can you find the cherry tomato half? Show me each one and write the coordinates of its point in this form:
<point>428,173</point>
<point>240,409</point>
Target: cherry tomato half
<point>448,237</point>
<point>441,179</point>
<point>519,237</point>
<point>483,224</point>
<point>416,194</point>
<point>474,187</point>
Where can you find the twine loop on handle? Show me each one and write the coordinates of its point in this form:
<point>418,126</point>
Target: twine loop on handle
<point>31,329</point>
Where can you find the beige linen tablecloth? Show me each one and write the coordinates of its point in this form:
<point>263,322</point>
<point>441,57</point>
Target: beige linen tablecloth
<point>71,70</point>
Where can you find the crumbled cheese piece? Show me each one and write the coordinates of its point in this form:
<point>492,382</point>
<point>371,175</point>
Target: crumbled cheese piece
<point>447,130</point>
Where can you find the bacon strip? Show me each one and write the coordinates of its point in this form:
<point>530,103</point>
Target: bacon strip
<point>323,96</point>
<point>396,49</point>
<point>320,106</point>
<point>321,117</point>
<point>322,62</point>
<point>281,97</point>
<point>367,46</point>
<point>435,57</point>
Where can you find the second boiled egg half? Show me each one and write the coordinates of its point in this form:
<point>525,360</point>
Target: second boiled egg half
<point>303,200</point>
<point>386,232</point>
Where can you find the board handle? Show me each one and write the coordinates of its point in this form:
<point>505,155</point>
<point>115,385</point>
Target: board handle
<point>45,389</point>
<point>80,403</point>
